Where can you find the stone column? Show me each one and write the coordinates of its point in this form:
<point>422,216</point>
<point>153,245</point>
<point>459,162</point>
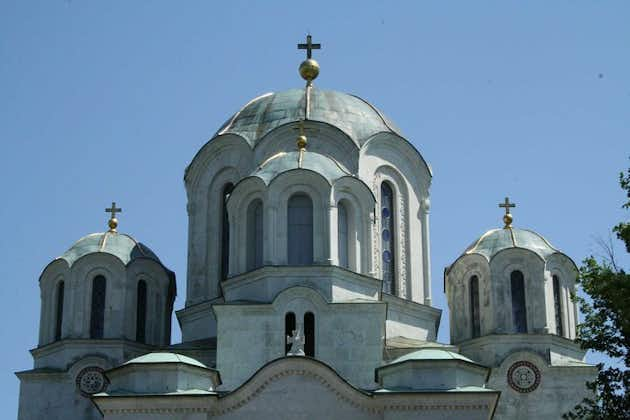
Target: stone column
<point>333,248</point>
<point>426,256</point>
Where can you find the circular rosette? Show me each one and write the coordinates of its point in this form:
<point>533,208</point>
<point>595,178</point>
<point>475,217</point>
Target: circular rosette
<point>523,376</point>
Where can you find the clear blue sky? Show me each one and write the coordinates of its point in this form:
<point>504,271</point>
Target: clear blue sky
<point>103,101</point>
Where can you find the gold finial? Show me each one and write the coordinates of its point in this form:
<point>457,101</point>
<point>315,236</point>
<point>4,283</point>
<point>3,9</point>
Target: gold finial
<point>301,143</point>
<point>113,222</point>
<point>309,69</point>
<point>507,218</point>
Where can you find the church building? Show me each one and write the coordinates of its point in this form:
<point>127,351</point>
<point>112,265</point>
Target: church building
<point>308,291</point>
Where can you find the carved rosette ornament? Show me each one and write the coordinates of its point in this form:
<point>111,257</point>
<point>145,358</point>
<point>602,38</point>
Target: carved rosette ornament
<point>91,380</point>
<point>523,376</point>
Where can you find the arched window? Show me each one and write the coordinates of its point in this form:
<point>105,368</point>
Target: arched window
<point>59,307</point>
<point>289,326</point>
<point>170,297</point>
<point>342,234</point>
<point>474,306</point>
<point>519,312</point>
<point>388,256</point>
<point>141,311</point>
<point>254,235</point>
<point>300,230</point>
<point>557,304</point>
<point>225,231</point>
<point>309,334</point>
<point>97,317</point>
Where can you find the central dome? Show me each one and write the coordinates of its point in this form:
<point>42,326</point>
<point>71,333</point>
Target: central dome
<point>354,116</point>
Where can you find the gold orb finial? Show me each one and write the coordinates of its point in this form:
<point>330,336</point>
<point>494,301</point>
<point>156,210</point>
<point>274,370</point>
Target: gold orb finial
<point>113,224</point>
<point>309,70</point>
<point>301,142</point>
<point>507,219</point>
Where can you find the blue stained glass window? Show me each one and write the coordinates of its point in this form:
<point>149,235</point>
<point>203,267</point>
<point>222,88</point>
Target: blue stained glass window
<point>387,245</point>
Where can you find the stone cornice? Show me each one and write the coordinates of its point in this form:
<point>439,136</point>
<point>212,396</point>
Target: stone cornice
<point>300,366</point>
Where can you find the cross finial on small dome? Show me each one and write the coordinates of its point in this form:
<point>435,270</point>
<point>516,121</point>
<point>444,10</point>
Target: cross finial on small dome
<point>309,69</point>
<point>507,218</point>
<point>113,222</point>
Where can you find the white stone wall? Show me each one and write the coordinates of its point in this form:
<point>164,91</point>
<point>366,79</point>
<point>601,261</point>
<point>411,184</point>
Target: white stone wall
<point>495,299</point>
<point>300,388</point>
<point>230,159</point>
<point>348,336</point>
<point>560,389</point>
<point>120,299</point>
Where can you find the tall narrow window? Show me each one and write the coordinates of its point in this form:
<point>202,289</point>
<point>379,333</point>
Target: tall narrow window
<point>225,231</point>
<point>59,317</point>
<point>474,306</point>
<point>387,246</point>
<point>254,235</point>
<point>300,230</point>
<point>519,312</point>
<point>170,297</point>
<point>289,326</point>
<point>342,234</point>
<point>557,305</point>
<point>309,334</point>
<point>141,311</point>
<point>97,317</point>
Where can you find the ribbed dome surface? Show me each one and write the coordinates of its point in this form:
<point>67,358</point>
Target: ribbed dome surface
<point>165,357</point>
<point>493,241</point>
<point>120,245</point>
<point>286,161</point>
<point>351,114</point>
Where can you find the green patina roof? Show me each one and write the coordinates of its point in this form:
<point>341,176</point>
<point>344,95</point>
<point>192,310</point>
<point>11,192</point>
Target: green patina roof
<point>165,357</point>
<point>493,241</point>
<point>431,354</point>
<point>282,162</point>
<point>120,245</point>
<point>351,114</point>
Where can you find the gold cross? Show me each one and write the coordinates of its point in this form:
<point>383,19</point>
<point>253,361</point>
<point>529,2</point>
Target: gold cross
<point>507,218</point>
<point>309,46</point>
<point>113,210</point>
<point>507,205</point>
<point>113,222</point>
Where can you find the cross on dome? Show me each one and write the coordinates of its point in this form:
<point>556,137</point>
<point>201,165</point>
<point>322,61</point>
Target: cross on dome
<point>309,46</point>
<point>113,222</point>
<point>309,69</point>
<point>507,218</point>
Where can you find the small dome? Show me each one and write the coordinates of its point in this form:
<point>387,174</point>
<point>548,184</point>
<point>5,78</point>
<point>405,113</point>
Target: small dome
<point>351,114</point>
<point>286,161</point>
<point>120,245</point>
<point>431,354</point>
<point>165,357</point>
<point>493,241</point>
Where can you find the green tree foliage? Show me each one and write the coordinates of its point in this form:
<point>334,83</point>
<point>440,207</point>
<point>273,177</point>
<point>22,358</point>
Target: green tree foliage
<point>606,328</point>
